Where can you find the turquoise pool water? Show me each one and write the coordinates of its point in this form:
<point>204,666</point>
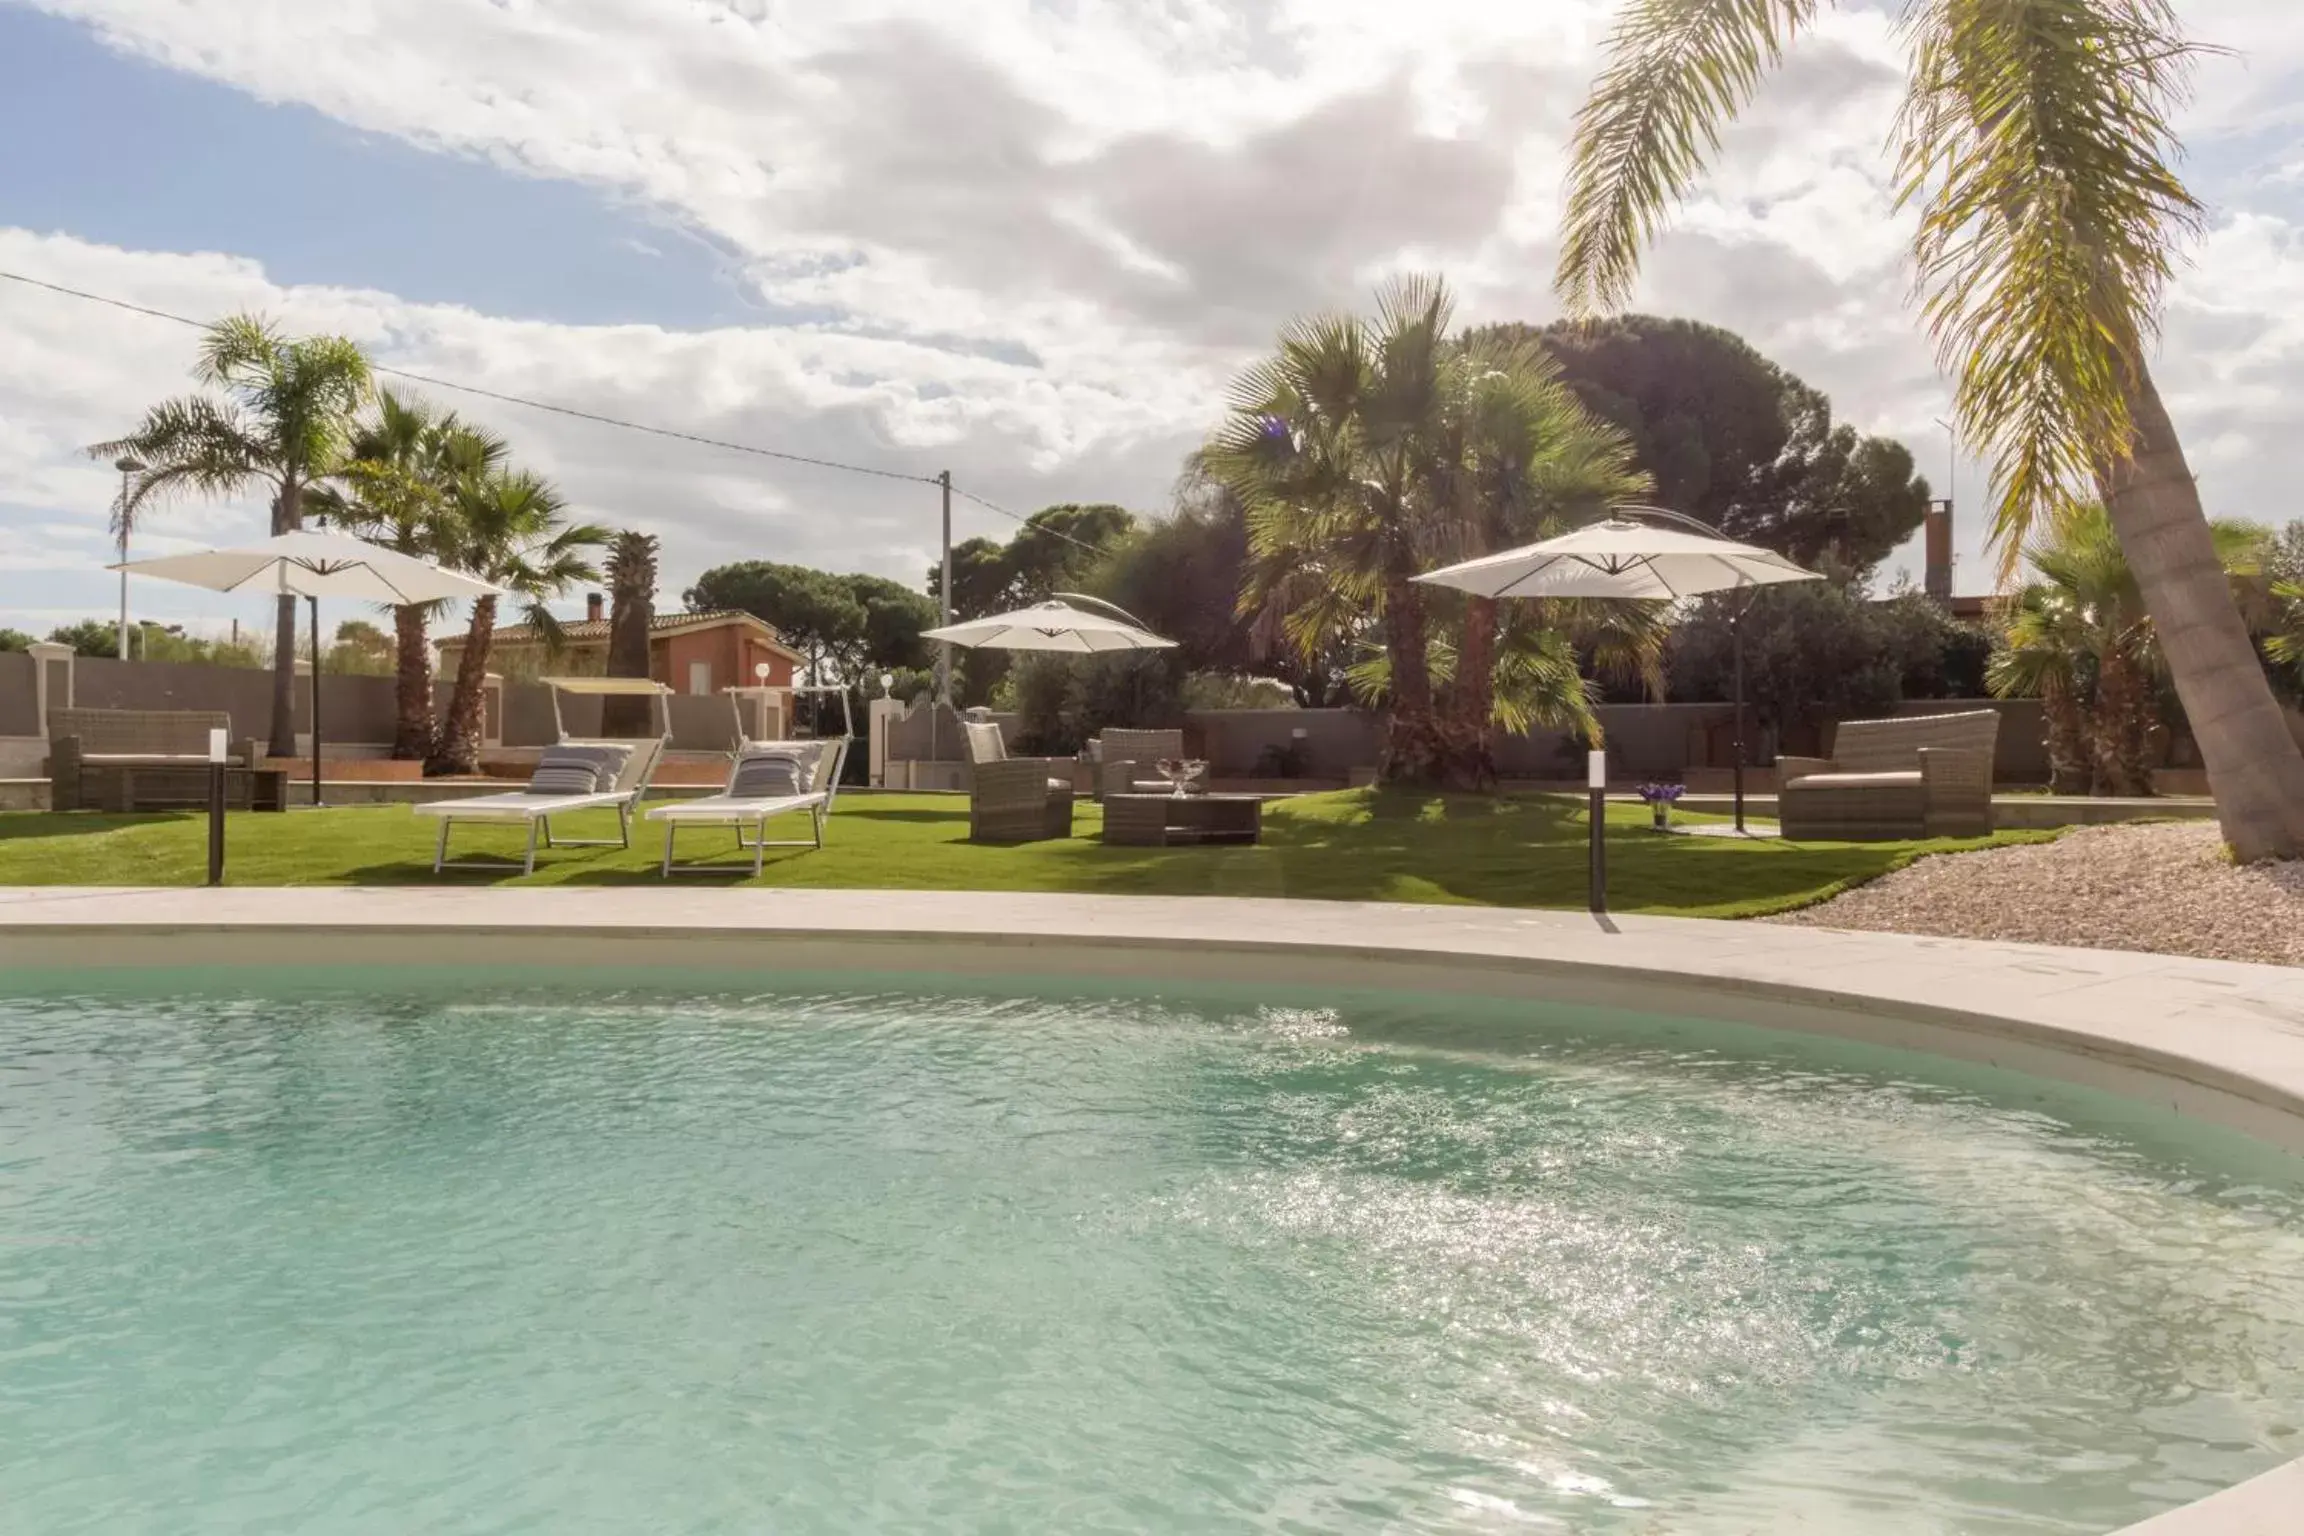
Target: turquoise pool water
<point>395,1253</point>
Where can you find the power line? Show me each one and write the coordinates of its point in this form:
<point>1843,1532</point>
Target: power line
<point>992,506</point>
<point>591,416</point>
<point>535,405</point>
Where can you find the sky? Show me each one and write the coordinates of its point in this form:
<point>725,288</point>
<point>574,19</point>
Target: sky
<point>1027,241</point>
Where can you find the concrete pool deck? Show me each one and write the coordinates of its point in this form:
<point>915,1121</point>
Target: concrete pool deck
<point>2218,1041</point>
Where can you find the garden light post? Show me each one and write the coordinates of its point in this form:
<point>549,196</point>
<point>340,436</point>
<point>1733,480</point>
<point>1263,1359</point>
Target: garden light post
<point>218,746</point>
<point>1596,783</point>
<point>129,470</point>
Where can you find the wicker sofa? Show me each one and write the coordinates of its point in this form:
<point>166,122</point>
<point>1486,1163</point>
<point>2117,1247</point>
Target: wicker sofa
<point>1889,780</point>
<point>1125,761</point>
<point>1014,799</point>
<point>149,759</point>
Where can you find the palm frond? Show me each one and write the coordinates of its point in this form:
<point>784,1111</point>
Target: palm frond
<point>192,443</point>
<point>2036,140</point>
<point>1539,685</point>
<point>1677,71</point>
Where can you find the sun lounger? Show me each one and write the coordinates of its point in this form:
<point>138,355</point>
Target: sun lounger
<point>768,779</point>
<point>623,767</point>
<point>573,775</point>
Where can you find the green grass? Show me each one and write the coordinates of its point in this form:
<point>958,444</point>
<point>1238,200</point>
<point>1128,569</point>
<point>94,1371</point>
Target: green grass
<point>1354,845</point>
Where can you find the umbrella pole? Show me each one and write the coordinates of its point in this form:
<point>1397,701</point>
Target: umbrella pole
<point>1736,629</point>
<point>314,600</point>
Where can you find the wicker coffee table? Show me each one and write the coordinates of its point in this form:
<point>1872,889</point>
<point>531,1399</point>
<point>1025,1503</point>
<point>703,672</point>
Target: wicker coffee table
<point>1161,821</point>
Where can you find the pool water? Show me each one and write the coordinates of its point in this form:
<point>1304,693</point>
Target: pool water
<point>402,1254</point>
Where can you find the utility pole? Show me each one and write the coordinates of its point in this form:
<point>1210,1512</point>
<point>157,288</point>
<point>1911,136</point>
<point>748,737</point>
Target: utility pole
<point>944,590</point>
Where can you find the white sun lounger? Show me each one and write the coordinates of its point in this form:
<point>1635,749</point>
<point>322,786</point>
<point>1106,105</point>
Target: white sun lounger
<point>536,810</point>
<point>753,814</point>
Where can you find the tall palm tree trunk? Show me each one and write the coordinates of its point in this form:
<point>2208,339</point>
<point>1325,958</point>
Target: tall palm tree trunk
<point>2255,768</point>
<point>459,747</point>
<point>411,686</point>
<point>1471,731</point>
<point>287,517</point>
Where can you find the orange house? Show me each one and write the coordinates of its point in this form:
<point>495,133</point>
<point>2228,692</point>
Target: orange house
<point>697,653</point>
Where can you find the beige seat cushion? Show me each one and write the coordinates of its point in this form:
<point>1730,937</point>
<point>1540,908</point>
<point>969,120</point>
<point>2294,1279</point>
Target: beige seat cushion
<point>1909,778</point>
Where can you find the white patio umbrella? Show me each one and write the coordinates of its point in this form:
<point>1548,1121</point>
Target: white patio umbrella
<point>1063,624</point>
<point>1628,556</point>
<point>1067,623</point>
<point>312,564</point>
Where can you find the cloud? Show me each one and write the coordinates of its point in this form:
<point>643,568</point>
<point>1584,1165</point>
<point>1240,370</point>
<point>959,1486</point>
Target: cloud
<point>1031,243</point>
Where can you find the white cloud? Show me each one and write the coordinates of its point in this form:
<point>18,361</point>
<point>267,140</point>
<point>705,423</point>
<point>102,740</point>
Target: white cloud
<point>1033,241</point>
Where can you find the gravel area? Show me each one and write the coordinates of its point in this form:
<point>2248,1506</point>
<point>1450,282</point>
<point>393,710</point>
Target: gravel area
<point>2166,888</point>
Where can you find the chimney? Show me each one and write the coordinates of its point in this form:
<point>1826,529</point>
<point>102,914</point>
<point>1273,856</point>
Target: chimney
<point>1937,581</point>
<point>595,606</point>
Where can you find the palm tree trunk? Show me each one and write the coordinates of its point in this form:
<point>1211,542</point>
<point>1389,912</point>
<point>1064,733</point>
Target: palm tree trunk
<point>2121,700</point>
<point>2070,771</point>
<point>1411,743</point>
<point>1471,733</point>
<point>287,516</point>
<point>459,747</point>
<point>412,686</point>
<point>2255,768</point>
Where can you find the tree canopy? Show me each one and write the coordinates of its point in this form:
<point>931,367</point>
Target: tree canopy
<point>1731,438</point>
<point>847,626</point>
<point>1052,551</point>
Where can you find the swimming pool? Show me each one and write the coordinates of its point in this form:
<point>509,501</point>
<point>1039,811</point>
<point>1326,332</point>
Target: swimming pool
<point>382,1250</point>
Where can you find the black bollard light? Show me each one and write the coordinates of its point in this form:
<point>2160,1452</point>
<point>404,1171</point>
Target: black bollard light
<point>216,750</point>
<point>1596,780</point>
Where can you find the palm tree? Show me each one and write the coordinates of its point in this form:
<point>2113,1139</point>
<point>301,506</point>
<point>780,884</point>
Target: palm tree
<point>1368,452</point>
<point>399,490</point>
<point>2080,638</point>
<point>631,613</point>
<point>2035,139</point>
<point>2044,653</point>
<point>508,530</point>
<point>1525,459</point>
<point>1333,443</point>
<point>284,421</point>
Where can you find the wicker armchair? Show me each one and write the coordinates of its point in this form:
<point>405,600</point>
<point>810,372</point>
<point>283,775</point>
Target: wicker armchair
<point>1020,800</point>
<point>143,759</point>
<point>1125,761</point>
<point>1014,799</point>
<point>1888,780</point>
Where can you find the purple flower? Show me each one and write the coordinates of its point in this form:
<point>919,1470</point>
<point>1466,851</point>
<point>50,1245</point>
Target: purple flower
<point>1662,794</point>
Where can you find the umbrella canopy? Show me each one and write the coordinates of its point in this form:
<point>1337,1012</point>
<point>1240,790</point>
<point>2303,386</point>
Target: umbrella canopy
<point>1625,557</point>
<point>1621,558</point>
<point>310,563</point>
<point>1051,626</point>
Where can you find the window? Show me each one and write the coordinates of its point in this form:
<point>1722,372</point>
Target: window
<point>700,678</point>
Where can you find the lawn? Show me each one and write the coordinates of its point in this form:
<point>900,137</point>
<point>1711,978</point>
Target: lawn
<point>1353,845</point>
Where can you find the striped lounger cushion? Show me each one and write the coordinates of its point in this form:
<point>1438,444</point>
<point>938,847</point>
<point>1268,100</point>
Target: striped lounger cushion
<point>571,771</point>
<point>768,776</point>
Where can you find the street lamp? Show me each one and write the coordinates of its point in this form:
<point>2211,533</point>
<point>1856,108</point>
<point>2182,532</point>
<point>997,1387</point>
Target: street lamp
<point>129,468</point>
